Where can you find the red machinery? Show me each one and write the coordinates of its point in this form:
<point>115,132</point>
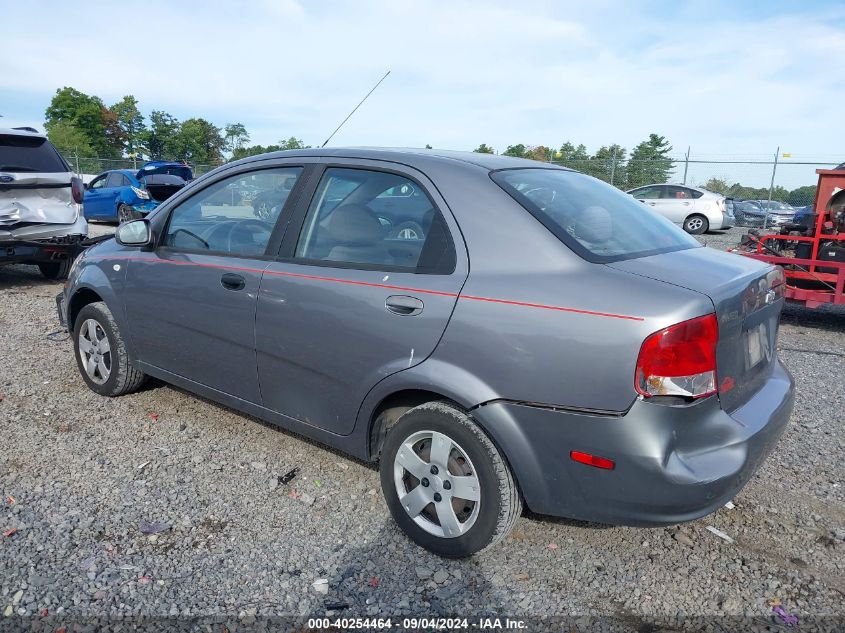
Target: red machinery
<point>812,253</point>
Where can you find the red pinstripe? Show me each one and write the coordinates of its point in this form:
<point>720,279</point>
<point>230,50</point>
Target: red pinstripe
<point>279,273</point>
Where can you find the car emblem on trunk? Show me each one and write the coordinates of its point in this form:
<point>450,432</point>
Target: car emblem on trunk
<point>6,178</point>
<point>770,297</point>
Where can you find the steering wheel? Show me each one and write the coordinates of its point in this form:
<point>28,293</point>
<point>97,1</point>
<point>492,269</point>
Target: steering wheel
<point>541,196</point>
<point>408,230</point>
<point>242,229</point>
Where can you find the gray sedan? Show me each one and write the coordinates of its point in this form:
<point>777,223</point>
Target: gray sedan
<point>494,332</point>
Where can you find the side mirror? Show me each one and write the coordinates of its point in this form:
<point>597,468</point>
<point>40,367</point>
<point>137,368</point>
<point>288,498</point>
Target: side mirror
<point>134,233</point>
<point>87,185</point>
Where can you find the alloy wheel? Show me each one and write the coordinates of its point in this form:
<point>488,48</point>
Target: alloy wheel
<point>95,351</point>
<point>437,484</point>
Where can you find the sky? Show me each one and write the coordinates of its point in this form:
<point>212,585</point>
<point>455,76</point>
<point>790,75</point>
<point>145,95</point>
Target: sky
<point>727,79</point>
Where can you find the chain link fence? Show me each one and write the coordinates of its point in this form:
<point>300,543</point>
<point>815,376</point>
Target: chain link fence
<point>788,179</point>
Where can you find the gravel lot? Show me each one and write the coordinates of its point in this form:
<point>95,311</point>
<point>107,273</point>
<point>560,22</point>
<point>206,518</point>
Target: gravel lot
<point>83,477</point>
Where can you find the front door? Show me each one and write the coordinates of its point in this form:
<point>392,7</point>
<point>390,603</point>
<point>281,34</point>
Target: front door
<point>99,199</point>
<point>366,286</point>
<point>191,302</point>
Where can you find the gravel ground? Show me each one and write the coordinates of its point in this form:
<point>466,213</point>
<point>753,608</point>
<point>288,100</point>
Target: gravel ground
<point>83,478</point>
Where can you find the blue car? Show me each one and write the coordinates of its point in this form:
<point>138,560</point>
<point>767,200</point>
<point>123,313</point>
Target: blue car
<point>123,194</point>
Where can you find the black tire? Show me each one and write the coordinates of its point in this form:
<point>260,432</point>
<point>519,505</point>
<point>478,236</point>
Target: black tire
<point>696,224</point>
<point>126,213</point>
<point>55,270</point>
<point>499,501</point>
<point>122,377</point>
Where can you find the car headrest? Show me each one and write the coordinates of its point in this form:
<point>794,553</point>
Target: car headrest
<point>593,224</point>
<point>354,224</point>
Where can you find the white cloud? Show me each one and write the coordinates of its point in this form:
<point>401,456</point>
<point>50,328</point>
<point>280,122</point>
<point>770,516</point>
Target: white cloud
<point>462,72</point>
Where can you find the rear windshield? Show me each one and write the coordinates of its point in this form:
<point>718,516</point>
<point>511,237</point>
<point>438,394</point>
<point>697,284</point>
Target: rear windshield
<point>182,171</point>
<point>19,153</point>
<point>596,220</point>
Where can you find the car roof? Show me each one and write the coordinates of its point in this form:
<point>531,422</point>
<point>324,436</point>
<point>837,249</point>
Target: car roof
<point>413,157</point>
<point>21,131</point>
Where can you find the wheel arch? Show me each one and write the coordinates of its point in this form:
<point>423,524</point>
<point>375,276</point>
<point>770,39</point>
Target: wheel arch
<point>82,297</point>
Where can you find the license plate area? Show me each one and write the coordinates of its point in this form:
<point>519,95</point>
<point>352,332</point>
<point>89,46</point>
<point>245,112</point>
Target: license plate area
<point>757,345</point>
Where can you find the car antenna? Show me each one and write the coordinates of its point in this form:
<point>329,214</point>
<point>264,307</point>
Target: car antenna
<point>378,83</point>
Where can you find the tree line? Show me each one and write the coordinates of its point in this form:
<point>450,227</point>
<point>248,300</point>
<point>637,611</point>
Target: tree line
<point>84,126</point>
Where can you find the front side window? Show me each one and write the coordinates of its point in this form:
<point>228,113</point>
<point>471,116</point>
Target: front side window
<point>373,219</point>
<point>596,220</point>
<point>98,183</point>
<point>235,215</point>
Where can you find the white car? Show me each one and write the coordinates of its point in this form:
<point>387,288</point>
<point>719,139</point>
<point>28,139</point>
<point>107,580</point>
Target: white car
<point>695,209</point>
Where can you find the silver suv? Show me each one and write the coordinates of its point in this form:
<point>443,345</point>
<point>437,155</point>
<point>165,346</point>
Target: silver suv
<point>40,219</point>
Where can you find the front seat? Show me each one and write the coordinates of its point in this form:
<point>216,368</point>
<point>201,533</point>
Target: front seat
<point>357,236</point>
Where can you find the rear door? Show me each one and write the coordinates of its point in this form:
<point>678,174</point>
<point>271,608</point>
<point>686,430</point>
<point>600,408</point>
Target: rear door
<point>677,203</point>
<point>367,280</point>
<point>191,302</point>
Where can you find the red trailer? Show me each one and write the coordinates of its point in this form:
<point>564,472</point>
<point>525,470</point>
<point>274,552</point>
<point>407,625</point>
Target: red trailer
<point>812,253</point>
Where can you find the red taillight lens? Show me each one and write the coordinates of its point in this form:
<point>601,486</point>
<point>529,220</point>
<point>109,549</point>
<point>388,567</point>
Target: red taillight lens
<point>679,360</point>
<point>77,189</point>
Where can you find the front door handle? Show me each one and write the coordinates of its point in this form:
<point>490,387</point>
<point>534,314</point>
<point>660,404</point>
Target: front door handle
<point>231,281</point>
<point>652,203</point>
<point>404,305</point>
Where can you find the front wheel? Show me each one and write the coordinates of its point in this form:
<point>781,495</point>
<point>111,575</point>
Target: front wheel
<point>696,224</point>
<point>125,213</point>
<point>101,353</point>
<point>445,482</point>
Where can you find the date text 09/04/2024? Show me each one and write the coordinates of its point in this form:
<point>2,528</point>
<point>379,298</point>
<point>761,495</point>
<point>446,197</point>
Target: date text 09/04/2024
<point>444,624</point>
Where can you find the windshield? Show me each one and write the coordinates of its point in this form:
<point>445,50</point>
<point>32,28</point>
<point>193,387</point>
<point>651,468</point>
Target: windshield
<point>774,205</point>
<point>596,220</point>
<point>20,153</point>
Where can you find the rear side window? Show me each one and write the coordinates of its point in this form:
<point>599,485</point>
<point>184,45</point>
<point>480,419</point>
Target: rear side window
<point>360,218</point>
<point>19,153</point>
<point>596,220</point>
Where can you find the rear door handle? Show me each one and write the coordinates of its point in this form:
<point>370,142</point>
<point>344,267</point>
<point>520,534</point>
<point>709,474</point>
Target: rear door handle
<point>231,281</point>
<point>404,305</point>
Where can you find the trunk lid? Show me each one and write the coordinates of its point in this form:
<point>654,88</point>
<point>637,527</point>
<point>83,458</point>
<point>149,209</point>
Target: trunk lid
<point>36,198</point>
<point>747,298</point>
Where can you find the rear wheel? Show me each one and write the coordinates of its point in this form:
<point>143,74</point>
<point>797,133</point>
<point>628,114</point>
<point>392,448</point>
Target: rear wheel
<point>696,224</point>
<point>445,482</point>
<point>125,213</point>
<point>55,270</point>
<point>101,353</point>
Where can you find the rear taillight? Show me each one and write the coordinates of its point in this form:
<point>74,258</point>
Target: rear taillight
<point>679,360</point>
<point>77,189</point>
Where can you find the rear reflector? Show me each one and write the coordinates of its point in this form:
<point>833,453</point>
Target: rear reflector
<point>679,360</point>
<point>77,190</point>
<point>592,460</point>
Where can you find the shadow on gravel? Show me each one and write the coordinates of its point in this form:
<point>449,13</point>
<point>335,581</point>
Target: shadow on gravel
<point>22,275</point>
<point>830,318</point>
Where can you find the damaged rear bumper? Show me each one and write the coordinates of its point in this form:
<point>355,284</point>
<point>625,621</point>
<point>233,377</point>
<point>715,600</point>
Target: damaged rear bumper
<point>672,463</point>
<point>41,251</point>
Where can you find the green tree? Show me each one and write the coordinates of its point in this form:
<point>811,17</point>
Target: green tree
<point>131,123</point>
<point>717,185</point>
<point>292,143</point>
<point>254,150</point>
<point>484,149</point>
<point>539,152</point>
<point>90,117</point>
<point>199,142</point>
<point>569,152</point>
<point>802,196</point>
<point>516,150</point>
<point>236,137</point>
<point>427,146</point>
<point>160,138</point>
<point>650,162</point>
<point>71,143</point>
<point>608,164</point>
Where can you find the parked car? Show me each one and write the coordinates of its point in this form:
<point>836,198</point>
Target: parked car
<point>802,212</point>
<point>775,213</point>
<point>121,194</point>
<point>540,339</point>
<point>40,222</point>
<point>696,210</point>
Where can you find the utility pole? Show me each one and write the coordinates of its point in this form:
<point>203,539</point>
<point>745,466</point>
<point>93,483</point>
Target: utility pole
<point>771,187</point>
<point>686,164</point>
